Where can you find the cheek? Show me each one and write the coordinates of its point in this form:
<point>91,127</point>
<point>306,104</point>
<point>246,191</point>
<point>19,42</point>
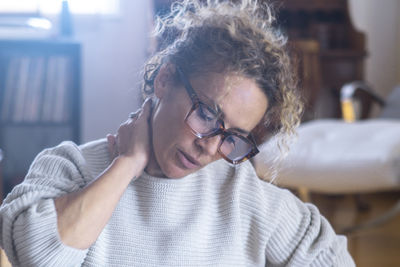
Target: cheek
<point>169,129</point>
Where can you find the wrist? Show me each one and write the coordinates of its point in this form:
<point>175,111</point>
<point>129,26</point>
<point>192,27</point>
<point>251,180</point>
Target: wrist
<point>132,166</point>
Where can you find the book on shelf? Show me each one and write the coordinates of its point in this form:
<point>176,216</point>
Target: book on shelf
<point>36,89</point>
<point>21,89</point>
<point>32,110</point>
<point>48,88</point>
<point>11,77</point>
<point>60,89</point>
<point>24,108</point>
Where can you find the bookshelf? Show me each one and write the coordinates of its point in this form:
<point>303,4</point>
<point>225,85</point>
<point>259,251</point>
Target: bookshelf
<point>338,55</point>
<point>39,101</point>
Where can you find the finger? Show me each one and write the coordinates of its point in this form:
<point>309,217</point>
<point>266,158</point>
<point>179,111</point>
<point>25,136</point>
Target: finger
<point>134,115</point>
<point>147,107</point>
<point>110,139</point>
<point>116,152</point>
<point>111,144</point>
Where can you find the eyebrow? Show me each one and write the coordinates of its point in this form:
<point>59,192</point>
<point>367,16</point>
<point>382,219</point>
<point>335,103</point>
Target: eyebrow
<point>209,101</point>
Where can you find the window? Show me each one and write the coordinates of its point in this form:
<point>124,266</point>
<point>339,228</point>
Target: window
<point>106,7</point>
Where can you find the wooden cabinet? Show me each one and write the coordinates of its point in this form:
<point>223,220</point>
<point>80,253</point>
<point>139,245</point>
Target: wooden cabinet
<point>341,50</point>
<point>39,101</point>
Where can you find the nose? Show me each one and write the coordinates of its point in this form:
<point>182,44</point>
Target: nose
<point>209,145</point>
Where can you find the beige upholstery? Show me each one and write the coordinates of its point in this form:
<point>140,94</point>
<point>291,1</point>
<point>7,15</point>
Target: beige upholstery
<point>331,156</point>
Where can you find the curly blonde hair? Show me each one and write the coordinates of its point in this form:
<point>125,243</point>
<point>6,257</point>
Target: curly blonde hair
<point>232,36</point>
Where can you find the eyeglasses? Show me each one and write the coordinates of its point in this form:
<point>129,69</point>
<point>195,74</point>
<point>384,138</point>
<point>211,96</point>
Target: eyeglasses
<point>205,122</point>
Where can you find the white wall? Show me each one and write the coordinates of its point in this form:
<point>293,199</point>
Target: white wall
<point>113,52</point>
<point>380,21</point>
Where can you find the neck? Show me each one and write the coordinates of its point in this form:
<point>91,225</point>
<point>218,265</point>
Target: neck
<point>153,168</point>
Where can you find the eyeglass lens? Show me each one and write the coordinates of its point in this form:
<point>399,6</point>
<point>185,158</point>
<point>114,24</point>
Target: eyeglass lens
<point>204,122</point>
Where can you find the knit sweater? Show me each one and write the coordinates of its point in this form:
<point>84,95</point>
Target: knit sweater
<point>221,215</point>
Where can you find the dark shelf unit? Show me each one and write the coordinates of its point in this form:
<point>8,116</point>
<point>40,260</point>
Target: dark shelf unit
<point>40,100</point>
<point>338,53</point>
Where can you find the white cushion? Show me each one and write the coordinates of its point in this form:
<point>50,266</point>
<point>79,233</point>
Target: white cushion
<point>332,156</point>
<point>392,107</point>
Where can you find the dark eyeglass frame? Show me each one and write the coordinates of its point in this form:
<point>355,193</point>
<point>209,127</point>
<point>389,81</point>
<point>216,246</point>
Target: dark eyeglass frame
<point>220,130</point>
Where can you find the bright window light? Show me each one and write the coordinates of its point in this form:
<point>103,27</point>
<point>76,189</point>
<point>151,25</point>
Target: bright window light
<point>18,6</point>
<point>108,7</point>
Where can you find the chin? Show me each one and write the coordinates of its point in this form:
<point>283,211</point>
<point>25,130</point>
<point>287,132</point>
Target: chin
<point>172,170</point>
<point>170,166</point>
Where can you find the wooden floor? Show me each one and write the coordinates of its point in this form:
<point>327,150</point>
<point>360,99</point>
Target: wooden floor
<point>374,247</point>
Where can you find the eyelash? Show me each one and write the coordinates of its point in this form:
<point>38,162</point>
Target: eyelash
<point>204,116</point>
<point>230,140</point>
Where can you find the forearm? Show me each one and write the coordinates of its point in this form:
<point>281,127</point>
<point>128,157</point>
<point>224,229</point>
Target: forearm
<point>82,215</point>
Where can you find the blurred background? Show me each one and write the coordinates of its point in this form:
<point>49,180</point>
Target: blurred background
<point>71,70</point>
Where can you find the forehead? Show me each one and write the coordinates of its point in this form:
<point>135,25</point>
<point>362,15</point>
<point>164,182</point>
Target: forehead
<point>241,101</point>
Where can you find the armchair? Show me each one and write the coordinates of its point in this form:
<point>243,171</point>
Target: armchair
<point>333,156</point>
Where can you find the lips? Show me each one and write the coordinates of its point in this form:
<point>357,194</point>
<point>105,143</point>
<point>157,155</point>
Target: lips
<point>187,161</point>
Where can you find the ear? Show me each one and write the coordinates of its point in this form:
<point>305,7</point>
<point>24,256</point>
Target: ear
<point>164,80</point>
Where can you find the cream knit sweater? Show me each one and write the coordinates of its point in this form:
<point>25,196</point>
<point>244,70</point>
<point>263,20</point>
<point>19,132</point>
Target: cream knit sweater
<point>219,216</point>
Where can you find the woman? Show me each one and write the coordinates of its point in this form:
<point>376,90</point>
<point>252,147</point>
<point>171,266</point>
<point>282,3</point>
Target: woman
<point>173,187</point>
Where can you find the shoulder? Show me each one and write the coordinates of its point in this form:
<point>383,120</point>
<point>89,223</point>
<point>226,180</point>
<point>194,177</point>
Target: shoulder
<point>91,152</point>
<point>266,189</point>
<point>96,152</point>
<point>70,159</point>
<point>244,180</point>
<point>96,155</point>
<point>276,203</point>
<point>261,204</point>
<point>66,155</point>
<point>245,175</point>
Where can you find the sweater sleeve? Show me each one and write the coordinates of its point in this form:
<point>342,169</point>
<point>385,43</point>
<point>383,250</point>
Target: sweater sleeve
<point>28,218</point>
<point>303,237</point>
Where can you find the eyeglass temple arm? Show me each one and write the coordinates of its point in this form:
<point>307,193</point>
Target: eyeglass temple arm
<point>187,85</point>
